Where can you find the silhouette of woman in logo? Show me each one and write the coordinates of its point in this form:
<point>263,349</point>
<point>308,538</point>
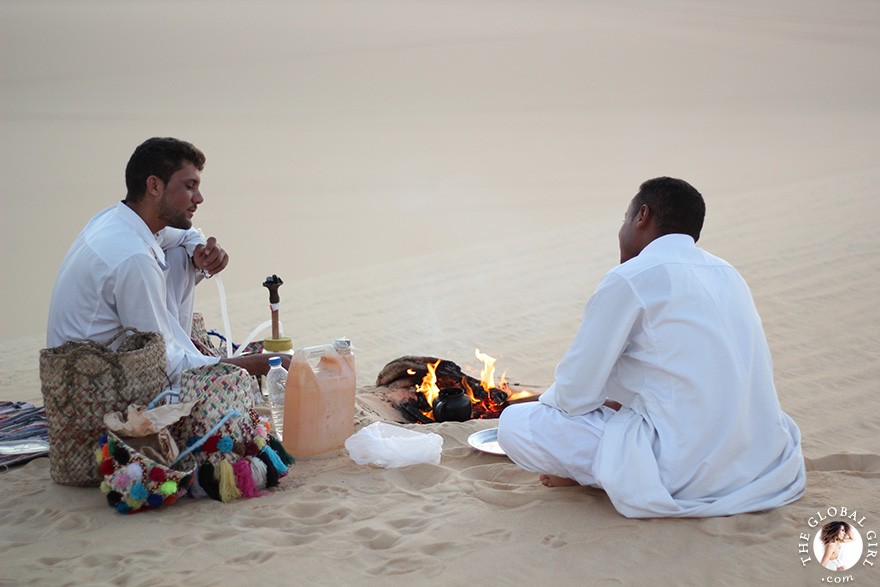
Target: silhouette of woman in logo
<point>833,535</point>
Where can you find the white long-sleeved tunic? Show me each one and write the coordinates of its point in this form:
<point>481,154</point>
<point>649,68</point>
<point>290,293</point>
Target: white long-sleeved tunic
<point>673,334</point>
<point>112,277</point>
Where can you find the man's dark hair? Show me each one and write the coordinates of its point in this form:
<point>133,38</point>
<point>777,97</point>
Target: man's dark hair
<point>677,206</point>
<point>161,157</point>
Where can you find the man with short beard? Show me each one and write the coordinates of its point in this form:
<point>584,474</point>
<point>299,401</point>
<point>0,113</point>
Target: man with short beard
<point>136,264</point>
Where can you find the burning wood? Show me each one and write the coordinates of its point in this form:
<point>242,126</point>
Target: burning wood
<point>433,388</point>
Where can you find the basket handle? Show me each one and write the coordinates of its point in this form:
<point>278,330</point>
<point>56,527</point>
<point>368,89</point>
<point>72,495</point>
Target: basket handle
<point>122,332</point>
<point>203,439</point>
<point>167,393</point>
<point>88,348</point>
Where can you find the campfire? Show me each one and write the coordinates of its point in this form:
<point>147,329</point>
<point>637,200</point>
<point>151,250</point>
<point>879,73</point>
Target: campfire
<point>437,390</point>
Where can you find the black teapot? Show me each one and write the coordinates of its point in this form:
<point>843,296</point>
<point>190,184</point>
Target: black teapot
<point>452,405</point>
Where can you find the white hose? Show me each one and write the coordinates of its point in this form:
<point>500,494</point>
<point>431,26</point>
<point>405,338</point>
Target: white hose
<point>253,335</point>
<point>227,329</point>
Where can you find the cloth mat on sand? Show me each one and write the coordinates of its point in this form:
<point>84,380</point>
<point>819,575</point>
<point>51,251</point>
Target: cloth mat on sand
<point>24,433</point>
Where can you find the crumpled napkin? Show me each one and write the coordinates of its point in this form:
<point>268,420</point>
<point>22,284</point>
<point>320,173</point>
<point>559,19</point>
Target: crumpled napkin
<point>146,430</point>
<point>392,446</point>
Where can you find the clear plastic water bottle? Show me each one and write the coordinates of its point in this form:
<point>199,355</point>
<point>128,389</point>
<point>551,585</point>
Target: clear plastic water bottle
<point>276,383</point>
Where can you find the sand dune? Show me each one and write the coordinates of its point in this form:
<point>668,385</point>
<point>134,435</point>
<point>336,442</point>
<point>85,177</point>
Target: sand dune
<point>447,177</point>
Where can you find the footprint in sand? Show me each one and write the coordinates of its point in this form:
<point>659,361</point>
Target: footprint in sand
<point>417,478</point>
<point>411,525</point>
<point>500,484</point>
<point>856,463</point>
<point>554,541</point>
<point>423,567</point>
<point>378,539</point>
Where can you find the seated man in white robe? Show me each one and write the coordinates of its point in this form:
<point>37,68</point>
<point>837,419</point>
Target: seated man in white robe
<point>136,264</point>
<point>665,398</point>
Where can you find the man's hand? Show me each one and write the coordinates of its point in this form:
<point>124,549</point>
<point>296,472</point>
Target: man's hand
<point>210,257</point>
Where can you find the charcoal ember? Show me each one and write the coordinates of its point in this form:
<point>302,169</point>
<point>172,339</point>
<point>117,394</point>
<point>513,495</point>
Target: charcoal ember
<point>499,397</point>
<point>412,411</point>
<point>396,374</point>
<point>403,376</point>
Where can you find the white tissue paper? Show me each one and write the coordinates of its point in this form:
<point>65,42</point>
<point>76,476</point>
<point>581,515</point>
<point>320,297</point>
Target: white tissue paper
<point>389,446</point>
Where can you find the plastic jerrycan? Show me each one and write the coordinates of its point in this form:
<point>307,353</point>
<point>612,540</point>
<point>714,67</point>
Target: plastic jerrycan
<point>319,401</point>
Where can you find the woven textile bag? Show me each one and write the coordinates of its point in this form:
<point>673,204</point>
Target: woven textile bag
<point>228,447</point>
<point>219,389</point>
<point>134,482</point>
<point>83,380</point>
<point>201,339</point>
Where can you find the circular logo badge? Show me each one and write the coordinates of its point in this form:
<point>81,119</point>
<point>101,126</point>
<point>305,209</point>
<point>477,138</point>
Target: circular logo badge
<point>837,546</point>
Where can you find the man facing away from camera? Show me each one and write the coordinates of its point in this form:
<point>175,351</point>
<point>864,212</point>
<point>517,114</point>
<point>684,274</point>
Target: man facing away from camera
<point>665,398</point>
<point>136,264</point>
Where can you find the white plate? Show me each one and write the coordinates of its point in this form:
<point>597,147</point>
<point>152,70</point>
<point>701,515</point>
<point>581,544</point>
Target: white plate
<point>486,441</point>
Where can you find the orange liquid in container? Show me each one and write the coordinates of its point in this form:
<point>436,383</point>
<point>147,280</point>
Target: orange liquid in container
<point>319,400</point>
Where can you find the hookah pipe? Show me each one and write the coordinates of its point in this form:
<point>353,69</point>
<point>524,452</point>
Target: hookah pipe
<point>277,343</point>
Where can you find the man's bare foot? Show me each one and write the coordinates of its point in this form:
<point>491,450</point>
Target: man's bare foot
<point>554,481</point>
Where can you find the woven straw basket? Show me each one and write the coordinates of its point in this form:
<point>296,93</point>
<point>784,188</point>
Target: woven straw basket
<point>83,380</point>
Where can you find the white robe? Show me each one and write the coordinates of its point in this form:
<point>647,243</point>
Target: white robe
<point>116,275</point>
<point>674,336</point>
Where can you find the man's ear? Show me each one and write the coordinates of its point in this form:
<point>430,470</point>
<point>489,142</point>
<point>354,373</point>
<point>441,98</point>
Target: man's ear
<point>154,185</point>
<point>644,215</point>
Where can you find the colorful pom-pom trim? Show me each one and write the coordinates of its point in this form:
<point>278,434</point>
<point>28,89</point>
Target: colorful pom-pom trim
<point>224,445</point>
<point>133,483</point>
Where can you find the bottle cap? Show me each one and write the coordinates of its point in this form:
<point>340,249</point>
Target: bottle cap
<point>274,361</point>
<point>342,344</point>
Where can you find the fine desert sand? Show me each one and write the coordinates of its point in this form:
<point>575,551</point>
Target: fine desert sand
<point>435,177</point>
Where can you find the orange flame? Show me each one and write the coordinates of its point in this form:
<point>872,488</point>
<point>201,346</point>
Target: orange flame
<point>517,395</point>
<point>428,387</point>
<point>512,395</point>
<point>487,374</point>
<point>484,403</point>
<point>469,391</point>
